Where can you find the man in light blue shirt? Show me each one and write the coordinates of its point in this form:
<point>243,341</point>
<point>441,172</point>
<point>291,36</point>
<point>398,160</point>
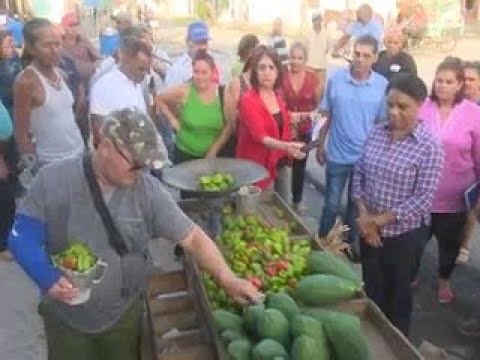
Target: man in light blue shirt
<point>181,71</point>
<point>365,25</point>
<point>354,101</point>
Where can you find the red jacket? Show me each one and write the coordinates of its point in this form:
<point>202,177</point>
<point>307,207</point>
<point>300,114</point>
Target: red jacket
<point>255,123</point>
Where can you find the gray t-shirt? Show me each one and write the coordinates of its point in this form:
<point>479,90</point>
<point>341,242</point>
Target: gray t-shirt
<point>60,197</point>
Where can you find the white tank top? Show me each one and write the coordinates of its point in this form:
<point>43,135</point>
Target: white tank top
<point>53,125</point>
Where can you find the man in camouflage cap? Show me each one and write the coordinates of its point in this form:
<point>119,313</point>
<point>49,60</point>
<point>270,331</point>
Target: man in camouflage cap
<point>137,134</point>
<point>106,325</point>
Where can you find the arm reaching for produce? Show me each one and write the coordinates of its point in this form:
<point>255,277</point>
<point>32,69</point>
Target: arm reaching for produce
<point>202,248</point>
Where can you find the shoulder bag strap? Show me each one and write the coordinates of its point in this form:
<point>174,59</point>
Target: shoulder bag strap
<point>221,96</point>
<point>114,237</point>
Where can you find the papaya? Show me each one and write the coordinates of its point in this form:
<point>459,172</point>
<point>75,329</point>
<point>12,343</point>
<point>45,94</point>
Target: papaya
<point>321,289</point>
<point>269,349</point>
<point>272,324</point>
<point>306,325</point>
<point>239,349</point>
<point>224,319</point>
<point>283,303</point>
<point>250,318</point>
<point>230,335</point>
<point>323,262</point>
<point>305,348</point>
<point>344,333</point>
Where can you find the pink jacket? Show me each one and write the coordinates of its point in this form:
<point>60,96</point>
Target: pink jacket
<point>460,137</point>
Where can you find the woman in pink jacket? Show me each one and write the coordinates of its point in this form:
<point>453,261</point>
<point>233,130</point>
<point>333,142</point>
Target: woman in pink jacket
<point>455,121</point>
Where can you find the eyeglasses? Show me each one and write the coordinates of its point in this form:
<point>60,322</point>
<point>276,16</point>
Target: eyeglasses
<point>263,67</point>
<point>134,167</point>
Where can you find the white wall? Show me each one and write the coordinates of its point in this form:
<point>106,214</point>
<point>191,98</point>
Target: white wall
<point>179,8</point>
<point>264,11</point>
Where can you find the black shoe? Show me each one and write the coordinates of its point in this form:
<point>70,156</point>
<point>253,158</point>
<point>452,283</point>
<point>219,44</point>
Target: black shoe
<point>353,255</point>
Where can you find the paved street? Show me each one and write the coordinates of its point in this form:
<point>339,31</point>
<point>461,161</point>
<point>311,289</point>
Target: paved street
<point>21,333</point>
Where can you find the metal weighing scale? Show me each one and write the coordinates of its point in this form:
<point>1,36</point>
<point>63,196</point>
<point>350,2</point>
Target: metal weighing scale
<point>185,176</point>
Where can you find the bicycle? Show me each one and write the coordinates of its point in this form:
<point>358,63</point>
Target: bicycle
<point>442,39</point>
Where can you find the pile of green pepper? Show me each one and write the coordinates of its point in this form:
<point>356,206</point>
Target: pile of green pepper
<point>262,254</point>
<point>216,182</point>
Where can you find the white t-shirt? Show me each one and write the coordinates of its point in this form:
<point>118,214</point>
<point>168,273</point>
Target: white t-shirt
<point>115,91</point>
<point>180,72</point>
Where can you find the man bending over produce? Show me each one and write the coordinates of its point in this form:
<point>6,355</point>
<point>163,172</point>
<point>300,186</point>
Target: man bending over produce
<point>61,209</point>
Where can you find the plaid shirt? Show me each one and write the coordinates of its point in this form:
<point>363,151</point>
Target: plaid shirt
<point>399,176</point>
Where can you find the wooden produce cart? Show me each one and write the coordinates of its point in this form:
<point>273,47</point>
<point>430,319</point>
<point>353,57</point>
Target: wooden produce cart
<point>178,301</point>
<point>385,341</point>
<point>176,325</point>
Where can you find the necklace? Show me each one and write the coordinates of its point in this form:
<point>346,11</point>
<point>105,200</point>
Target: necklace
<point>55,83</point>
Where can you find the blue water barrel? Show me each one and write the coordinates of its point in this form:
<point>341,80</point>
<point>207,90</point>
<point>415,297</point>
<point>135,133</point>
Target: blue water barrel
<point>109,42</point>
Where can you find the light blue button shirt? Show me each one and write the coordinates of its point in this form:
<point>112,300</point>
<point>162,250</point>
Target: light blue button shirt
<point>373,28</point>
<point>354,108</point>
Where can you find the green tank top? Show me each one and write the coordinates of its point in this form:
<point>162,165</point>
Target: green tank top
<point>200,123</point>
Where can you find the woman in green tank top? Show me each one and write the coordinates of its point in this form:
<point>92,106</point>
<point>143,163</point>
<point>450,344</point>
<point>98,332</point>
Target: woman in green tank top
<point>201,127</point>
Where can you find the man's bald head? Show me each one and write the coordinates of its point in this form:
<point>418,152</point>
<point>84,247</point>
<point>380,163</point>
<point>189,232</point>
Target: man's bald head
<point>365,13</point>
<point>394,41</point>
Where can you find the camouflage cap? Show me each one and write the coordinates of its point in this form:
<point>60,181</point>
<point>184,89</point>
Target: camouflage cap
<point>136,132</point>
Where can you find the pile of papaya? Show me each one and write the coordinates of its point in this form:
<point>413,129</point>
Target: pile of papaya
<point>299,324</point>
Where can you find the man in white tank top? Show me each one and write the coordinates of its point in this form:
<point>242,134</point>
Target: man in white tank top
<point>43,104</point>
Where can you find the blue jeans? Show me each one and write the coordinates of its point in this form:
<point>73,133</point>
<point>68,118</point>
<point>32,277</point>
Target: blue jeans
<point>337,176</point>
<point>168,136</point>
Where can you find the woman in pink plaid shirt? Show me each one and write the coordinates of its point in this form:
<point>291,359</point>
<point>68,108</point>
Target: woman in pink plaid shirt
<point>393,186</point>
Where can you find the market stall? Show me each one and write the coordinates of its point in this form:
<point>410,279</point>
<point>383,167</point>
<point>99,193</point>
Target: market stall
<point>267,243</point>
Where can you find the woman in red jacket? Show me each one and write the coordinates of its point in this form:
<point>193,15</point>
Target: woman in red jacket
<point>264,134</point>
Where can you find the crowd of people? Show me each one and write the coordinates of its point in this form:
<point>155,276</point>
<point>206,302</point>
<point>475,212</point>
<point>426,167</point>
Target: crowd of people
<point>406,158</point>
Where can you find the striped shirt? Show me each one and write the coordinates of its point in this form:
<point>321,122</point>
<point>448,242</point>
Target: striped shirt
<point>400,176</point>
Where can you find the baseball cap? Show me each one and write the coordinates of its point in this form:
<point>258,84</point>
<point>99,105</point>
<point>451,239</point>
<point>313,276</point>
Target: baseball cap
<point>137,133</point>
<point>198,31</point>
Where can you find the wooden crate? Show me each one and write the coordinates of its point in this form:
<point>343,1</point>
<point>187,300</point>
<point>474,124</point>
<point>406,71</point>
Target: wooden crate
<point>385,341</point>
<point>174,325</point>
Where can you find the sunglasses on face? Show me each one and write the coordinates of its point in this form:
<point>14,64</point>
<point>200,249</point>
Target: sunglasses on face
<point>134,167</point>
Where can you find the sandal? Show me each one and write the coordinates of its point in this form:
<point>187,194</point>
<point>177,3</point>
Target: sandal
<point>445,295</point>
<point>463,256</point>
